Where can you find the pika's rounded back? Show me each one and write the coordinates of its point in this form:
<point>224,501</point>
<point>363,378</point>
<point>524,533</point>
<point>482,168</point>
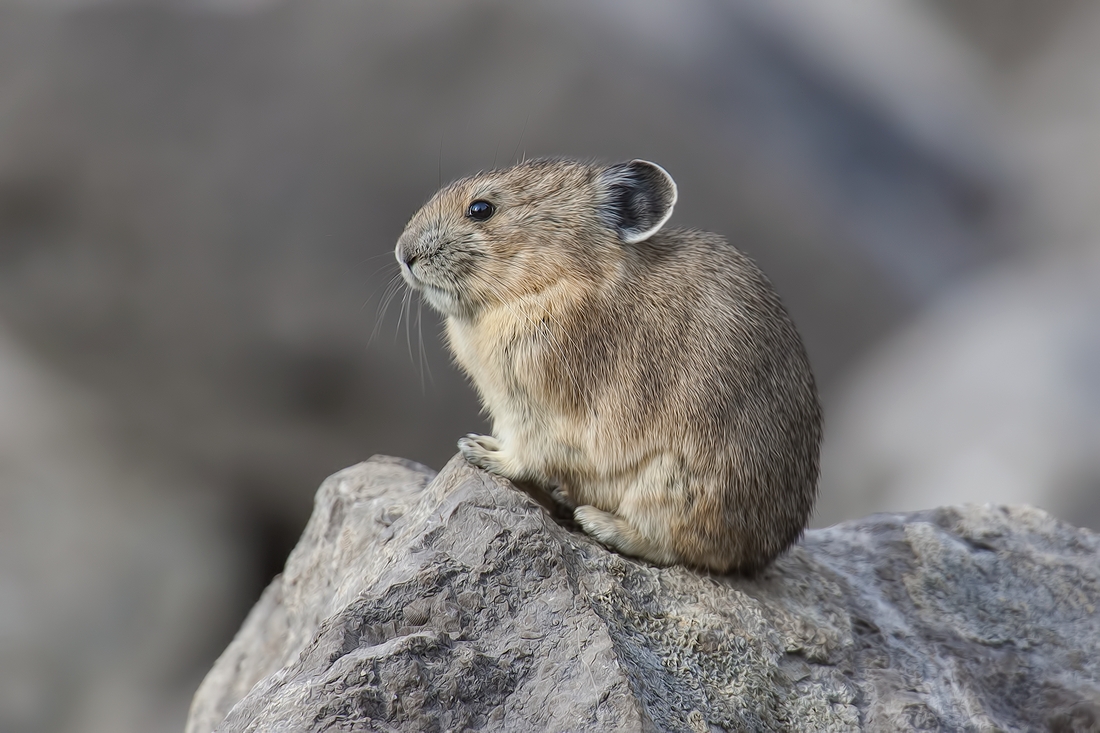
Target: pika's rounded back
<point>649,379</point>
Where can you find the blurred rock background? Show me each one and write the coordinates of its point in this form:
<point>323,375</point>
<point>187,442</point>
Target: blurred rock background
<point>199,198</point>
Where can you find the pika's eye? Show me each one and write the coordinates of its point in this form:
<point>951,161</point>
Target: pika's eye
<point>480,210</point>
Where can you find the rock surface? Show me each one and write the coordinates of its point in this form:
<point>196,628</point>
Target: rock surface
<point>454,602</point>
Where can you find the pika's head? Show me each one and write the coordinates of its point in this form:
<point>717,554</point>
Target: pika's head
<point>498,236</point>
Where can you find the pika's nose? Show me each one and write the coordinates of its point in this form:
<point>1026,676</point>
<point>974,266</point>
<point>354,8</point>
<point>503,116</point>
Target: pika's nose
<point>404,256</point>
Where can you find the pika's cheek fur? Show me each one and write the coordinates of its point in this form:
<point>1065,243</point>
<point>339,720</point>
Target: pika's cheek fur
<point>647,379</point>
<point>434,265</point>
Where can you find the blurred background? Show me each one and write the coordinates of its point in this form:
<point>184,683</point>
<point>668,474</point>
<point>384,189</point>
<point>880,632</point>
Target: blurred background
<point>199,200</point>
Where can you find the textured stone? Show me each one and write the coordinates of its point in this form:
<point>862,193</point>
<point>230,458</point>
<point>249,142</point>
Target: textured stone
<point>457,603</point>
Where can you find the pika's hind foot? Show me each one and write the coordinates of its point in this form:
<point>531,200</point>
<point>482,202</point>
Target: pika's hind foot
<point>618,534</point>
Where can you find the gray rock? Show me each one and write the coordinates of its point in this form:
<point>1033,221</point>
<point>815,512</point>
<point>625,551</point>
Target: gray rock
<point>457,603</point>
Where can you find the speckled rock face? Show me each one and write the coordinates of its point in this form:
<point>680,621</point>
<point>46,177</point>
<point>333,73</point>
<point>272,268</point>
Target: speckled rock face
<point>454,602</point>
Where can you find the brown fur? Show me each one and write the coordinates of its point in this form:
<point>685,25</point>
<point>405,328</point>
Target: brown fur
<point>659,385</point>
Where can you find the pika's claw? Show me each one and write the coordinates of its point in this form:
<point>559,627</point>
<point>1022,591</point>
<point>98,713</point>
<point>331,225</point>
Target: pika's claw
<point>482,451</point>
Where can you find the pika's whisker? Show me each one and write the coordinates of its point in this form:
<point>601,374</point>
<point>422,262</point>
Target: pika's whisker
<point>388,294</point>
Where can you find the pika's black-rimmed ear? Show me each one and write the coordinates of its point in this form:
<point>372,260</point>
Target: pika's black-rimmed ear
<point>636,198</point>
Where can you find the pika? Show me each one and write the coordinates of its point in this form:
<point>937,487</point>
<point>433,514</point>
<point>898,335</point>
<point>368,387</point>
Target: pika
<point>649,379</point>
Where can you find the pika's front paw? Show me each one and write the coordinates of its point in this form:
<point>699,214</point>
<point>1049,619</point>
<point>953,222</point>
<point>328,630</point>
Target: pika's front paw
<point>483,451</point>
<point>562,497</point>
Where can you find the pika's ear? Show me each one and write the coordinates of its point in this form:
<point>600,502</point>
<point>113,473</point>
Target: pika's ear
<point>635,198</point>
